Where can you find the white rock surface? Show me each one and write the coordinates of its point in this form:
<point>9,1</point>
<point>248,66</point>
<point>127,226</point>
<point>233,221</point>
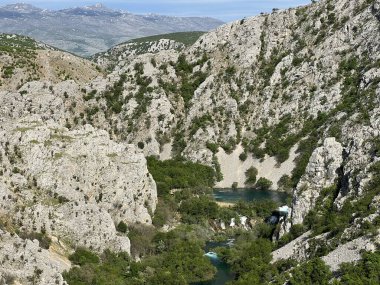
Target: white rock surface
<point>321,172</point>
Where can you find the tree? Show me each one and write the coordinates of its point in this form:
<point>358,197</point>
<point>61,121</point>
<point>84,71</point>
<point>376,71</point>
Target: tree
<point>285,183</point>
<point>251,176</point>
<point>243,156</point>
<point>314,272</point>
<point>264,184</point>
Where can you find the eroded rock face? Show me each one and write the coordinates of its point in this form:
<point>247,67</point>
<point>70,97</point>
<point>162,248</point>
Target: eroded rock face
<point>321,172</point>
<point>82,182</point>
<point>73,185</point>
<point>26,262</point>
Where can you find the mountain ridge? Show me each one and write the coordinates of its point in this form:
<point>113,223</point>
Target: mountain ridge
<point>90,29</point>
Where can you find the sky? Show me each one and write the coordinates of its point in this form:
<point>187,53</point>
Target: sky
<point>226,10</point>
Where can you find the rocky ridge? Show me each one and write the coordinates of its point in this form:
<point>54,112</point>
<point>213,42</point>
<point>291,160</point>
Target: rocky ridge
<point>68,187</point>
<point>92,29</point>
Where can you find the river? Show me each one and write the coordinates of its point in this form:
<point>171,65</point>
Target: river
<point>224,273</point>
<point>245,194</point>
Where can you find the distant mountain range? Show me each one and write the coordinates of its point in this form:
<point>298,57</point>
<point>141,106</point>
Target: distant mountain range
<point>91,29</point>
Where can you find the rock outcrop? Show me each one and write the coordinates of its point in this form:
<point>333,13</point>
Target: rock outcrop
<point>24,261</point>
<point>321,172</point>
<point>75,186</point>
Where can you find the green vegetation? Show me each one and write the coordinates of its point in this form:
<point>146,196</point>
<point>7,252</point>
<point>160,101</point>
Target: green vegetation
<point>213,147</point>
<point>251,175</point>
<point>263,184</point>
<point>178,259</point>
<point>43,239</point>
<point>261,209</point>
<point>189,81</point>
<point>285,183</point>
<point>177,173</point>
<point>11,42</point>
<point>83,256</point>
<point>187,38</point>
<point>250,260</point>
<point>194,208</point>
<point>243,156</point>
<point>326,218</point>
<point>114,95</point>
<point>202,123</point>
<point>22,50</point>
<point>122,227</point>
<point>314,272</point>
<point>364,272</point>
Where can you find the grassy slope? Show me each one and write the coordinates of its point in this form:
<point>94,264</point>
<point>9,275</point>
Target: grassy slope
<point>187,38</point>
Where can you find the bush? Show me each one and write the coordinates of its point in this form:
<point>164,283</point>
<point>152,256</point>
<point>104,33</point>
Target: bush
<point>213,147</point>
<point>164,211</point>
<point>112,270</point>
<point>198,209</point>
<point>140,145</point>
<point>251,176</point>
<point>122,227</point>
<point>243,156</point>
<point>83,256</point>
<point>250,260</point>
<point>264,184</point>
<point>314,272</point>
<point>43,239</point>
<point>285,183</point>
<point>262,209</point>
<point>366,271</point>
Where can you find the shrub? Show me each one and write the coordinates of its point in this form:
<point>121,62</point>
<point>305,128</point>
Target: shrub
<point>262,209</point>
<point>198,209</point>
<point>213,147</point>
<point>366,271</point>
<point>83,256</point>
<point>122,227</point>
<point>285,183</point>
<point>243,156</point>
<point>113,270</point>
<point>251,175</point>
<point>264,184</point>
<point>140,145</point>
<point>314,272</point>
<point>43,239</point>
<point>182,65</point>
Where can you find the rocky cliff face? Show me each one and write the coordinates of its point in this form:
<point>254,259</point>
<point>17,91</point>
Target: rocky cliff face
<point>71,186</point>
<point>263,82</point>
<point>321,172</point>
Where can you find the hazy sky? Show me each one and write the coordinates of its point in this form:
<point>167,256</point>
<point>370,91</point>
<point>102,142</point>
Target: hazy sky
<point>225,10</point>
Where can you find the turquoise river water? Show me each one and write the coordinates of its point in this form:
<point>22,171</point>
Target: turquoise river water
<point>224,274</point>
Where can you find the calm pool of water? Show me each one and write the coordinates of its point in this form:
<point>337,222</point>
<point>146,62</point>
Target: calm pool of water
<point>232,196</point>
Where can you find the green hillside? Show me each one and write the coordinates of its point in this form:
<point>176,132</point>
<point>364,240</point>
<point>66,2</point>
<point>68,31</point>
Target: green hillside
<point>187,38</point>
